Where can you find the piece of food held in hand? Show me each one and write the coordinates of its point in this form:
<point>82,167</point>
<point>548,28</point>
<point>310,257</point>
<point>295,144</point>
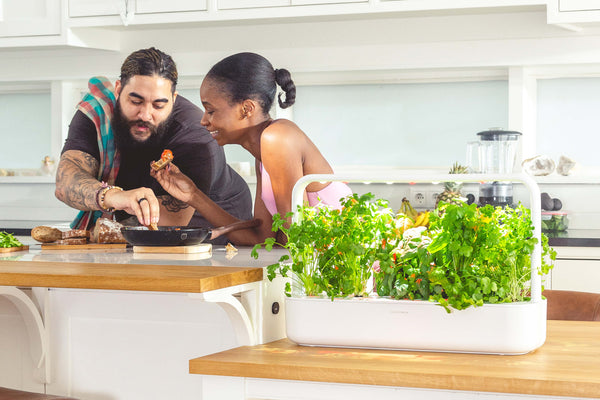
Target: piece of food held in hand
<point>165,158</point>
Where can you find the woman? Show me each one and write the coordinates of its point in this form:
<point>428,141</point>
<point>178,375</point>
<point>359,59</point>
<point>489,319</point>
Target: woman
<point>237,94</point>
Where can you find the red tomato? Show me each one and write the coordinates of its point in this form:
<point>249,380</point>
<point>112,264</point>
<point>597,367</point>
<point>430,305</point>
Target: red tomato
<point>166,155</point>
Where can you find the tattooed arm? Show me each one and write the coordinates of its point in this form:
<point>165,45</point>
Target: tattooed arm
<point>174,212</point>
<point>76,183</point>
<point>77,186</point>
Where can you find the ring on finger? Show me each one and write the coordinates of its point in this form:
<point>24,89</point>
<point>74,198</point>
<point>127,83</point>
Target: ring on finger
<point>142,199</point>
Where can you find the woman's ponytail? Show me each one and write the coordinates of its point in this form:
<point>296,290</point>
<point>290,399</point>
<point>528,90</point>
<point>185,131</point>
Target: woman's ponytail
<point>284,80</point>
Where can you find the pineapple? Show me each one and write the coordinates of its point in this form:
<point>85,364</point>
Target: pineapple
<point>452,190</point>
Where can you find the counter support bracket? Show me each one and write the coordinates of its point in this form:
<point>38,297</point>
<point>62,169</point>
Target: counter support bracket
<point>36,329</point>
<point>243,305</point>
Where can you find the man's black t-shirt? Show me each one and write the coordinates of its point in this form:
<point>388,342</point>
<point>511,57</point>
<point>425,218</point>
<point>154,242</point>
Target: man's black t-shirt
<point>195,152</point>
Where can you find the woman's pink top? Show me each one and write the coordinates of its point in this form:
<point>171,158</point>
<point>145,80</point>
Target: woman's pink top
<point>330,195</point>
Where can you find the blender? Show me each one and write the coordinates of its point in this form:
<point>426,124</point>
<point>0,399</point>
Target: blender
<point>496,154</point>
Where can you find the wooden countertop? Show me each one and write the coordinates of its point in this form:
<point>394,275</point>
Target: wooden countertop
<point>124,270</point>
<point>568,364</point>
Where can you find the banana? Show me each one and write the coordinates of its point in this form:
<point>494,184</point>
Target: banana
<point>426,220</point>
<point>408,210</point>
<point>422,219</point>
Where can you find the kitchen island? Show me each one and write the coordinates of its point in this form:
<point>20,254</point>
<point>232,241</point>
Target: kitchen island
<point>114,324</point>
<point>566,366</point>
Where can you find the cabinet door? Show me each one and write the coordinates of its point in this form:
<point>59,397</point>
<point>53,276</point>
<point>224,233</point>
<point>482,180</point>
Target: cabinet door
<point>158,6</point>
<point>306,2</point>
<point>233,4</point>
<point>29,17</point>
<point>96,8</point>
<point>579,275</point>
<point>579,5</point>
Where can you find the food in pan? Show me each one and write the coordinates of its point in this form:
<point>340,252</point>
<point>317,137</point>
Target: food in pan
<point>165,158</point>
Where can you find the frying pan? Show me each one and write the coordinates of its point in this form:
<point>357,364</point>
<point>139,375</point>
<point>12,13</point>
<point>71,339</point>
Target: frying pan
<point>179,235</point>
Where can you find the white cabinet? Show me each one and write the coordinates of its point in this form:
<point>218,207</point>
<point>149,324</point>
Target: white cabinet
<point>577,268</point>
<point>306,2</point>
<point>29,17</point>
<point>157,6</point>
<point>235,4</point>
<point>88,8</point>
<point>98,8</point>
<point>573,11</point>
<point>579,5</point>
<point>579,275</point>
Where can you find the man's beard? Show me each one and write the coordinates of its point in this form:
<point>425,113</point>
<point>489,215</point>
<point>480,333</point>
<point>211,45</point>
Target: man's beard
<point>122,131</point>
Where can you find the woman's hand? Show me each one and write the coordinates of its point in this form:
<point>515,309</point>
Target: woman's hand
<point>175,182</point>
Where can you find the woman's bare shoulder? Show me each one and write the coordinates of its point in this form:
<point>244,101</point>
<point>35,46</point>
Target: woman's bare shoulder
<point>282,132</point>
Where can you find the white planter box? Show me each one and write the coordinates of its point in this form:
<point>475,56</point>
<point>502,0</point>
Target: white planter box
<point>507,328</point>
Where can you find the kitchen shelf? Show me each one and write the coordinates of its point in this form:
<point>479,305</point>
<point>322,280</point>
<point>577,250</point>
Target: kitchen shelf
<point>28,179</point>
<point>554,179</point>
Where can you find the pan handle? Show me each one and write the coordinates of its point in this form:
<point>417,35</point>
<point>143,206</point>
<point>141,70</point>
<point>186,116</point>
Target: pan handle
<point>216,232</point>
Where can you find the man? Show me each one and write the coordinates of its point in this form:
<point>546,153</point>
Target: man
<point>115,135</point>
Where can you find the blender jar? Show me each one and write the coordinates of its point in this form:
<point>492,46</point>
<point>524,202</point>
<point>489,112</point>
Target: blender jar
<point>496,153</point>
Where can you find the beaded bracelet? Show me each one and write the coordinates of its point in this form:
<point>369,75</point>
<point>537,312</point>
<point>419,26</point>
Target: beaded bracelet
<point>101,194</point>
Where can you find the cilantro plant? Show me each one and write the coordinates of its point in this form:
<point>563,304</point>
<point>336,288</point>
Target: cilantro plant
<point>469,256</point>
<point>8,240</point>
<point>332,251</point>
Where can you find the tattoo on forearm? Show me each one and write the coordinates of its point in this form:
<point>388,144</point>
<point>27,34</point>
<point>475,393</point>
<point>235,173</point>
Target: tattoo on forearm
<point>76,182</point>
<point>172,204</point>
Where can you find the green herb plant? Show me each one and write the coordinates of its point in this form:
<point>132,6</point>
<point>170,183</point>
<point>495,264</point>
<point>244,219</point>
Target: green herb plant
<point>331,252</point>
<point>8,240</point>
<point>469,256</point>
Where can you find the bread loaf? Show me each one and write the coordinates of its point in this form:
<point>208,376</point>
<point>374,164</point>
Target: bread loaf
<point>46,234</point>
<point>107,231</point>
<point>76,233</point>
<point>72,241</point>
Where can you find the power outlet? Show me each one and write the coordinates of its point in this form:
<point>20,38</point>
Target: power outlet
<point>433,195</point>
<point>418,198</point>
<point>421,197</point>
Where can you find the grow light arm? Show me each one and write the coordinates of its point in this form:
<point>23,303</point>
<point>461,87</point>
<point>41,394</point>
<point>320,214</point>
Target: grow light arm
<point>413,177</point>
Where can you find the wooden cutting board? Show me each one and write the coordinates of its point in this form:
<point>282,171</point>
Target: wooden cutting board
<point>196,248</point>
<point>11,249</point>
<point>87,246</point>
<point>172,256</point>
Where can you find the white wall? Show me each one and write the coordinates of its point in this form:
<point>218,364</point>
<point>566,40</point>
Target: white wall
<point>568,119</point>
<point>25,129</point>
<point>415,87</point>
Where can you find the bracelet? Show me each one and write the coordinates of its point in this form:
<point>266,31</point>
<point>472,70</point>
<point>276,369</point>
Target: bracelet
<point>101,194</point>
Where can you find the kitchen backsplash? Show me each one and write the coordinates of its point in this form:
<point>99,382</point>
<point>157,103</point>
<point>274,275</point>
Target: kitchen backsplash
<point>31,198</point>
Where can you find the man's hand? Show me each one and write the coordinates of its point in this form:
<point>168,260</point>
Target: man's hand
<point>140,202</point>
